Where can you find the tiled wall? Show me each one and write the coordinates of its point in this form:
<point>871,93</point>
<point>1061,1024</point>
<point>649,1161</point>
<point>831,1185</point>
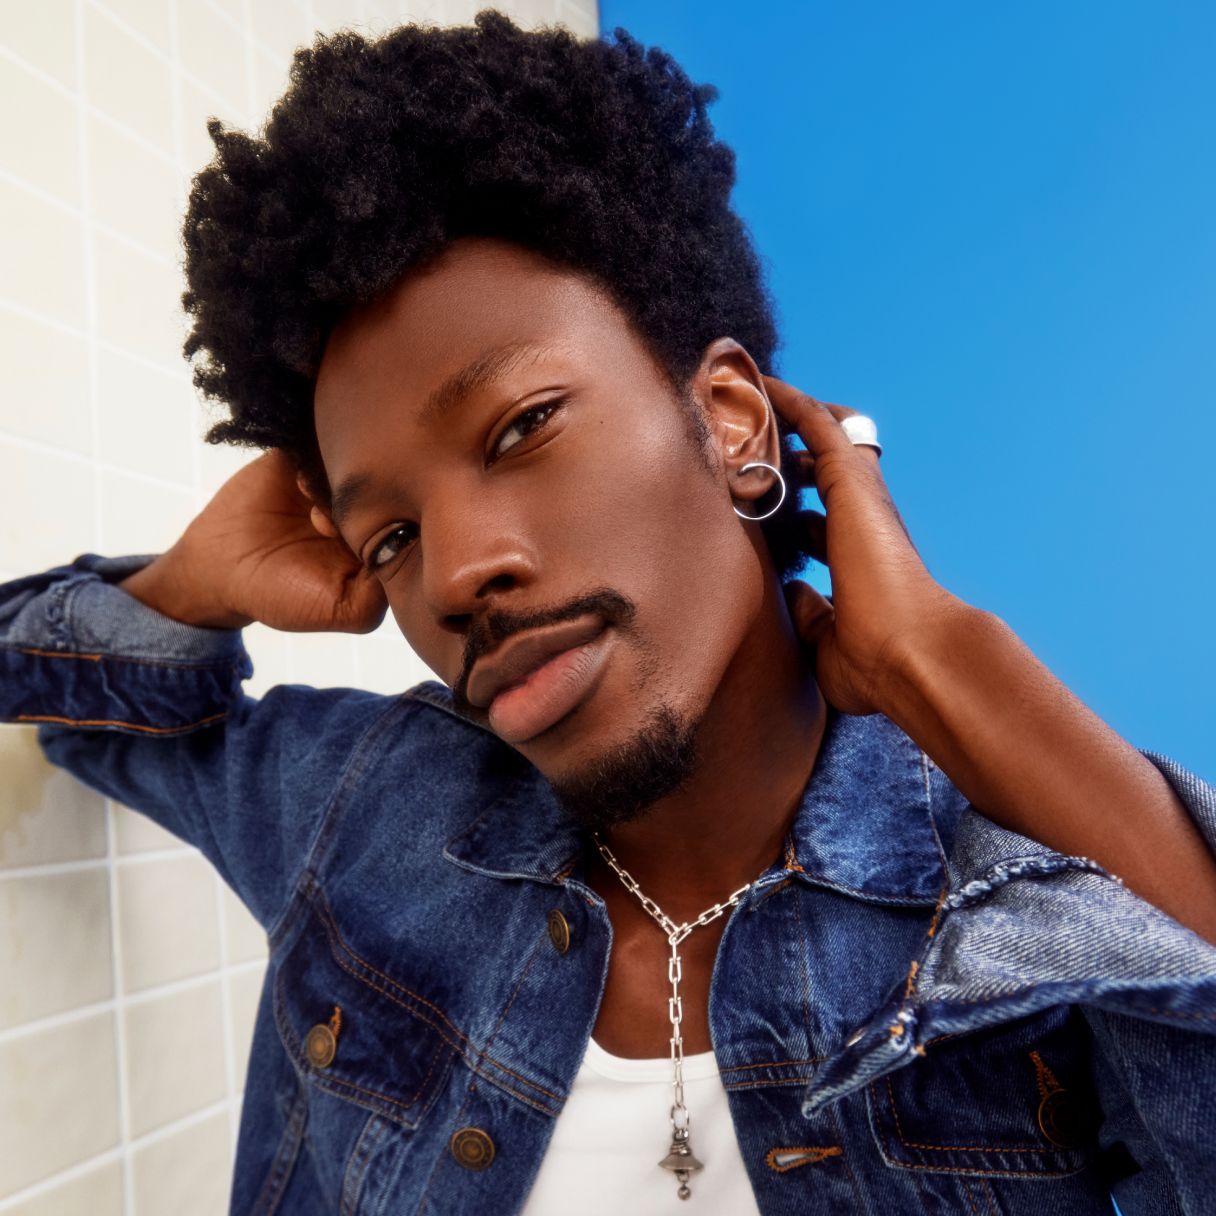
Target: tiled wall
<point>128,972</point>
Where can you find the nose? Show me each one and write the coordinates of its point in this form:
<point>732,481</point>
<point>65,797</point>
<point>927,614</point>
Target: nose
<point>472,556</point>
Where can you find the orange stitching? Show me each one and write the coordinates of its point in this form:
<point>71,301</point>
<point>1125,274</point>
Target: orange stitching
<point>352,1184</point>
<point>952,1148</point>
<point>762,1084</point>
<point>772,1064</point>
<point>1045,1079</point>
<point>910,982</point>
<point>152,730</point>
<point>327,1079</point>
<point>58,654</point>
<point>163,664</point>
<point>275,1182</point>
<point>937,913</point>
<point>989,1198</point>
<point>326,915</point>
<point>1169,1013</point>
<point>323,1078</point>
<point>970,1200</point>
<point>791,861</point>
<point>813,1156</point>
<point>964,1169</point>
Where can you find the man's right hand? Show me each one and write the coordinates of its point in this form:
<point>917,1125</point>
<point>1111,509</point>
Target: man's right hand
<point>254,554</point>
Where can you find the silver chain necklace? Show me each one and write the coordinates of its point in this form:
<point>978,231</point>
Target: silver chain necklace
<point>679,1160</point>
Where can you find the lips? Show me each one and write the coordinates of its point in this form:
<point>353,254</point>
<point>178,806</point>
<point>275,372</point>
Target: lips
<point>536,680</point>
<point>518,657</point>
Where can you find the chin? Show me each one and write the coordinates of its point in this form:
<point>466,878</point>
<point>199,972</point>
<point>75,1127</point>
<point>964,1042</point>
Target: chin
<point>604,784</point>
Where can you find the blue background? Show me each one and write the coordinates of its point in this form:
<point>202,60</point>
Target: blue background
<point>993,228</point>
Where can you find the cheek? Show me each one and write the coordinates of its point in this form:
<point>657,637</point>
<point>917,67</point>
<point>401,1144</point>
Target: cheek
<point>660,528</point>
<point>432,646</point>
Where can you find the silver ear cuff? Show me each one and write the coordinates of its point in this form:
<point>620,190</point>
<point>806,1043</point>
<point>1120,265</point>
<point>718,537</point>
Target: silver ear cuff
<point>759,464</point>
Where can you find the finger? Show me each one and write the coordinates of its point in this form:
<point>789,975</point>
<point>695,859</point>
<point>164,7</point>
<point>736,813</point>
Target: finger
<point>811,614</point>
<point>814,420</point>
<point>818,424</point>
<point>363,605</point>
<point>813,525</point>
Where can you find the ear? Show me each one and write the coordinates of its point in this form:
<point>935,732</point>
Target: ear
<point>742,423</point>
<point>319,515</point>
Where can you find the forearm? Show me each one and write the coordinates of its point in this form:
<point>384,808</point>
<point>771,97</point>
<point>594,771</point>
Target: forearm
<point>162,585</point>
<point>1032,757</point>
<point>75,650</point>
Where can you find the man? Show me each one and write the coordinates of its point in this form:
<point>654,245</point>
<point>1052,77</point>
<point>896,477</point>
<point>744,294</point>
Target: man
<point>482,295</point>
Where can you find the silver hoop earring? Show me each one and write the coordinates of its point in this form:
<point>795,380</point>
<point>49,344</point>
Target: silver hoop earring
<point>759,464</point>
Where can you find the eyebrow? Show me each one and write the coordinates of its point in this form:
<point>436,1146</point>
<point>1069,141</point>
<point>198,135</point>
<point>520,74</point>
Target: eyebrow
<point>492,364</point>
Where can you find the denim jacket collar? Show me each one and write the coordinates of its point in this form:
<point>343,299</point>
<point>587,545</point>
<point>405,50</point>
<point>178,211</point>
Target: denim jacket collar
<point>864,827</point>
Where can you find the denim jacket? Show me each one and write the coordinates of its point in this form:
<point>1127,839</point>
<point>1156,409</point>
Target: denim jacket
<point>913,1009</point>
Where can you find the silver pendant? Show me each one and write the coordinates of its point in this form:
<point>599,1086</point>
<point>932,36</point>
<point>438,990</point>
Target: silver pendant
<point>681,1162</point>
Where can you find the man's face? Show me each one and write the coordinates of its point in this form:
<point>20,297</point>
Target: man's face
<point>593,526</point>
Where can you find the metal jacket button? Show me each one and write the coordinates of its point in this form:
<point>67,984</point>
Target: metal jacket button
<point>321,1045</point>
<point>472,1148</point>
<point>559,931</point>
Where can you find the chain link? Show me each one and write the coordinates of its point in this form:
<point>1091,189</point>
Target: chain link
<point>675,972</point>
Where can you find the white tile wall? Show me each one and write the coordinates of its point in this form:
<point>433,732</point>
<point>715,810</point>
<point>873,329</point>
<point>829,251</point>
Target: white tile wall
<point>129,974</point>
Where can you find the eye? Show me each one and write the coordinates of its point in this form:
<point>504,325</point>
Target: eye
<point>394,543</point>
<point>525,423</point>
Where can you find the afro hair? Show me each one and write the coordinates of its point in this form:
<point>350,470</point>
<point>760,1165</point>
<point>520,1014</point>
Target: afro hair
<point>597,154</point>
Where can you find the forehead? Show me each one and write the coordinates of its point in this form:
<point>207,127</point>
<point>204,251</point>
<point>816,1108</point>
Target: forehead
<point>385,360</point>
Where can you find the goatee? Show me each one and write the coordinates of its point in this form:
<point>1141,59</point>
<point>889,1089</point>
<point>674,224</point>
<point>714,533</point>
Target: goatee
<point>631,777</point>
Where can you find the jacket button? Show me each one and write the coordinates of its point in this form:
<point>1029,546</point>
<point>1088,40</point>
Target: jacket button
<point>472,1148</point>
<point>320,1046</point>
<point>559,931</point>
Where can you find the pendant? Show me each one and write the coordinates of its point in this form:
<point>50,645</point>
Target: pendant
<point>681,1162</point>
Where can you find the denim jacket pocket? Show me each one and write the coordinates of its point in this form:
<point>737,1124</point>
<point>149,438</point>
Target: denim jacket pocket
<point>1014,1100</point>
<point>352,1031</point>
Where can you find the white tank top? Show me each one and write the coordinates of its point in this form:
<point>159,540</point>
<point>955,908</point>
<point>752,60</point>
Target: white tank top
<point>615,1128</point>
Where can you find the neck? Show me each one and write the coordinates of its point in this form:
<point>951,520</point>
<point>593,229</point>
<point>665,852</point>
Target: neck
<point>757,746</point>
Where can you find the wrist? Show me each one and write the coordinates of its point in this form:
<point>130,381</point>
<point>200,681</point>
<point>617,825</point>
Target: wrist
<point>166,586</point>
<point>924,665</point>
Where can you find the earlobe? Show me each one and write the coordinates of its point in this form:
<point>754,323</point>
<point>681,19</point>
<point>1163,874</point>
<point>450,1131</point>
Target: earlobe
<point>769,508</point>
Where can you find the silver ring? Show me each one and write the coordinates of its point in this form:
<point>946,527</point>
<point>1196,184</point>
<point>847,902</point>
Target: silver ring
<point>862,430</point>
<point>759,464</point>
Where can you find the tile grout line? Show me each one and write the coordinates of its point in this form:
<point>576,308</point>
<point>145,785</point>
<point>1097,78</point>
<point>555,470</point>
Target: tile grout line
<point>145,43</point>
<point>10,439</point>
<point>12,1203</point>
<point>144,996</point>
<point>243,31</point>
<point>52,322</point>
<point>117,1016</point>
<point>53,869</point>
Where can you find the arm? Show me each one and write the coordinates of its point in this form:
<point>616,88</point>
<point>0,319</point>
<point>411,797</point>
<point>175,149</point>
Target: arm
<point>957,680</point>
<point>131,669</point>
<point>1031,756</point>
<point>150,711</point>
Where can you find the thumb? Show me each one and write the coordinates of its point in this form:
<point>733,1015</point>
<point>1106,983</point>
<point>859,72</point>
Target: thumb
<point>811,613</point>
<point>363,604</point>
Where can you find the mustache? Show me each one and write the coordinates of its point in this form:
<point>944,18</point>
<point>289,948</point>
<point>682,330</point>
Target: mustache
<point>496,627</point>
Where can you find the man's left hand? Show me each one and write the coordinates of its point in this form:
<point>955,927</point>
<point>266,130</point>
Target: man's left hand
<point>883,597</point>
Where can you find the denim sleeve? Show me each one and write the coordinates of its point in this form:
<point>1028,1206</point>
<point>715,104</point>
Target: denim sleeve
<point>151,712</point>
<point>1022,929</point>
<point>1156,1074</point>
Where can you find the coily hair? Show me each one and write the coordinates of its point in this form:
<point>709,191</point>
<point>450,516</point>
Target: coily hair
<point>597,154</point>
